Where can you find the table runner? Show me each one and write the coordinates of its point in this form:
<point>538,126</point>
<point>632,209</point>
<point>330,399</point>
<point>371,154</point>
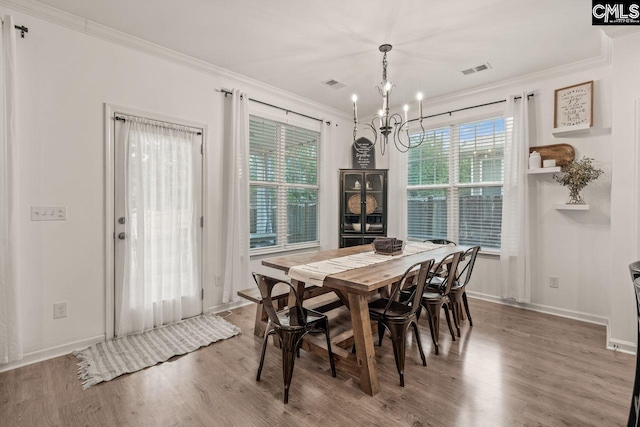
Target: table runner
<point>314,273</point>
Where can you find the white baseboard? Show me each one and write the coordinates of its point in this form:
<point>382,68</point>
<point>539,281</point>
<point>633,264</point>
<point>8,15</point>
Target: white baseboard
<point>620,345</point>
<point>62,350</point>
<point>51,352</point>
<point>611,343</point>
<point>228,306</point>
<point>569,314</point>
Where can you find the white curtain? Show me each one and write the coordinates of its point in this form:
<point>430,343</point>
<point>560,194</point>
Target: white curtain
<point>161,281</point>
<point>514,250</point>
<point>237,273</point>
<point>10,337</point>
<point>329,181</point>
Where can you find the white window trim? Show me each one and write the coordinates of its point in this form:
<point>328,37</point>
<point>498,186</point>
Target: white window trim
<point>453,186</point>
<point>282,187</point>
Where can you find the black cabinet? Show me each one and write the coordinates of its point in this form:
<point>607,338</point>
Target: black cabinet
<point>363,206</point>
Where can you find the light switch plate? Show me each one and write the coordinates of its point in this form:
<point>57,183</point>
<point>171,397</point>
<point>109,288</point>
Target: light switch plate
<point>48,213</point>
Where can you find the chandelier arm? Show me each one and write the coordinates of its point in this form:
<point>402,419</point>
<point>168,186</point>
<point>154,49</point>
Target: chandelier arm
<point>362,149</point>
<point>397,134</point>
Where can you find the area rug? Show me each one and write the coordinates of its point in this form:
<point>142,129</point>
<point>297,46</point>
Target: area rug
<point>107,360</point>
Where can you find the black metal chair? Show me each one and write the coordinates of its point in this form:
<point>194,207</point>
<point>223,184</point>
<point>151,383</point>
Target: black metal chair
<point>440,242</point>
<point>290,325</point>
<point>458,294</point>
<point>434,298</point>
<point>634,412</point>
<point>397,317</point>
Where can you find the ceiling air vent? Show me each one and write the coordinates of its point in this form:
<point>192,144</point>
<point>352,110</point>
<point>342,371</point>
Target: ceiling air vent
<point>334,84</point>
<point>477,69</point>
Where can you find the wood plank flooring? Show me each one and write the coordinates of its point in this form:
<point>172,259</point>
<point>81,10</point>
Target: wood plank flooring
<point>513,368</point>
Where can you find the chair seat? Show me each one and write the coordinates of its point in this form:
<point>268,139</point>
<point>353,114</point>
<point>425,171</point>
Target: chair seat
<point>456,287</point>
<point>430,295</point>
<point>396,309</point>
<point>293,318</point>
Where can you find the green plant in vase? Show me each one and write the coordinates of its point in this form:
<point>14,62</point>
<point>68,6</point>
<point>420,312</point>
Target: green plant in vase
<point>576,176</point>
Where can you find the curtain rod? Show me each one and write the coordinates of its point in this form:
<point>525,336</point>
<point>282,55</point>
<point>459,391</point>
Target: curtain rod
<point>228,92</point>
<point>468,108</point>
<point>188,128</point>
<point>22,28</point>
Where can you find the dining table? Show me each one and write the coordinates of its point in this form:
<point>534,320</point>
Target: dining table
<point>354,288</point>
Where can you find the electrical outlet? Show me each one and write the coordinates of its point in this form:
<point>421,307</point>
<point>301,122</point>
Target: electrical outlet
<point>218,281</point>
<point>48,213</point>
<point>60,310</point>
<point>554,281</point>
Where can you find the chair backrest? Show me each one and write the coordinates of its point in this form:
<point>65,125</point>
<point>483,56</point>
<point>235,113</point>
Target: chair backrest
<point>266,285</point>
<point>441,242</point>
<point>634,269</point>
<point>469,258</point>
<point>420,281</point>
<point>448,264</point>
<point>634,413</point>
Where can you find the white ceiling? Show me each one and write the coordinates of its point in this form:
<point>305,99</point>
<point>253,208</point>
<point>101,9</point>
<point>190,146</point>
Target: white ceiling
<point>296,45</point>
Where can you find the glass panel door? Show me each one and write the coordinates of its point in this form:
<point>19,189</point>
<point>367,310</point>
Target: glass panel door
<point>375,202</point>
<point>353,203</point>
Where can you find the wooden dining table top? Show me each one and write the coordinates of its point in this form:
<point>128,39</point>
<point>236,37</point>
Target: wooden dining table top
<point>363,280</point>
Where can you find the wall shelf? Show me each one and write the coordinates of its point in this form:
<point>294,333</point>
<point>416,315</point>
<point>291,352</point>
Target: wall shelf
<point>568,207</point>
<point>537,171</point>
<point>572,130</point>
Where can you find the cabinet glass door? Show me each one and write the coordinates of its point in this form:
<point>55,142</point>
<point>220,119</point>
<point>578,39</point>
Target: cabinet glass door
<point>375,203</point>
<point>353,212</point>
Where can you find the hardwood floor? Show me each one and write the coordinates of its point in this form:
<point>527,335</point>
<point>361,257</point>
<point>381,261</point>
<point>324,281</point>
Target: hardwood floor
<point>513,368</point>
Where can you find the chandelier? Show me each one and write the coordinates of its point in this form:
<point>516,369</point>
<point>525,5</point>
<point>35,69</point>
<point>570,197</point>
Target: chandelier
<point>387,126</point>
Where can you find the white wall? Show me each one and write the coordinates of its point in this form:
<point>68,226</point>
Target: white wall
<point>65,78</point>
<point>571,245</point>
<point>626,187</point>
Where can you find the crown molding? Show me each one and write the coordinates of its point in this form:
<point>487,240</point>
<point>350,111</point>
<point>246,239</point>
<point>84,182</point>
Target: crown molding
<point>619,31</point>
<point>74,22</point>
<point>603,60</point>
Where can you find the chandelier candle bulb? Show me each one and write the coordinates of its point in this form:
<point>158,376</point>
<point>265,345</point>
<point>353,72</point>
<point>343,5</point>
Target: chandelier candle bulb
<point>420,105</point>
<point>406,109</point>
<point>354,98</point>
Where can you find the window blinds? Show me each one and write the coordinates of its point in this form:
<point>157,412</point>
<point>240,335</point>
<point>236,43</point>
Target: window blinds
<point>283,163</point>
<point>454,187</point>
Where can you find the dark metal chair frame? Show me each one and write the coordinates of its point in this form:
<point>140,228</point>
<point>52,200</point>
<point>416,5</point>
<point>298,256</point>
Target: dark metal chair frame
<point>634,412</point>
<point>440,241</point>
<point>397,317</point>
<point>458,293</point>
<point>440,299</point>
<point>291,334</point>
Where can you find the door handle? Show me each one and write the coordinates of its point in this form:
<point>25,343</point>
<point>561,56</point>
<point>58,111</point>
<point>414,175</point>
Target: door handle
<point>122,236</point>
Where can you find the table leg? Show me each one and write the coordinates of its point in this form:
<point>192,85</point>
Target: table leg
<point>261,320</point>
<point>343,297</point>
<point>362,335</point>
<point>299,287</point>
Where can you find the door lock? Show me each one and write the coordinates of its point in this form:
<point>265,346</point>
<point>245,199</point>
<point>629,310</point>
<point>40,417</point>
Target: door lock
<point>121,220</point>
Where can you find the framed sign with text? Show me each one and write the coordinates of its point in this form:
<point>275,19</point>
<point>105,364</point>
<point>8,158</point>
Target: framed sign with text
<point>573,105</point>
<point>364,159</point>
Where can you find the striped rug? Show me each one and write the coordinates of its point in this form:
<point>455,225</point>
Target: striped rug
<point>107,360</point>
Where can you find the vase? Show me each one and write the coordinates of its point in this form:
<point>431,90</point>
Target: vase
<point>575,198</point>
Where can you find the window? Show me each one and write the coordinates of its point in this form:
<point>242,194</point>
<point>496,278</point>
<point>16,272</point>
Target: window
<point>283,164</point>
<point>454,184</point>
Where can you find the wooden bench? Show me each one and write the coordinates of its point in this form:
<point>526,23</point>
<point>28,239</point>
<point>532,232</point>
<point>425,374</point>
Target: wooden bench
<point>280,297</point>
